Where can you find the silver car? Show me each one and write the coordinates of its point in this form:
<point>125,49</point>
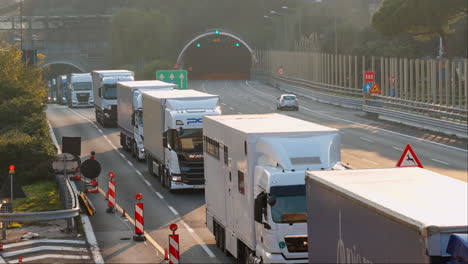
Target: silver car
<point>288,101</point>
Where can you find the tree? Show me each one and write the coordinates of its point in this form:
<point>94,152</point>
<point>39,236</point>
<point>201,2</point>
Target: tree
<point>423,19</point>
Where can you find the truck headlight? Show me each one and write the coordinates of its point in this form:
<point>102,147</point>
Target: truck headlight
<point>176,178</point>
<point>218,109</point>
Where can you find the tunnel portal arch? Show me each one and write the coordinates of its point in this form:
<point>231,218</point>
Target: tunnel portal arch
<point>216,31</point>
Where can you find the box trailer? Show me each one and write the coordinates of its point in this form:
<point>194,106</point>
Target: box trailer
<point>130,113</point>
<point>255,190</point>
<point>173,141</point>
<point>394,215</point>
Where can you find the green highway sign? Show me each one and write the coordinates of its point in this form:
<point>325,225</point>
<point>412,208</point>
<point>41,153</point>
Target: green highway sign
<point>177,77</point>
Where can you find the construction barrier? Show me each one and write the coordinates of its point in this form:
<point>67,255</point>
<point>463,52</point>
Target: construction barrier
<point>173,245</point>
<point>111,194</point>
<point>86,204</point>
<point>139,220</point>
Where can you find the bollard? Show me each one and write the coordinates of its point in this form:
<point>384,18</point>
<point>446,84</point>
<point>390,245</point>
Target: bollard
<point>111,194</point>
<point>94,183</point>
<point>20,259</point>
<point>139,220</point>
<point>173,245</point>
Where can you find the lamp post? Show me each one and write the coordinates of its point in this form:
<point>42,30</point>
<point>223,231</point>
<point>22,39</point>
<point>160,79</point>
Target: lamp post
<point>21,24</point>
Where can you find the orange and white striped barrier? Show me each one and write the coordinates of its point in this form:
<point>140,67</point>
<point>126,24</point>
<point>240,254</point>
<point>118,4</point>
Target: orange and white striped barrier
<point>111,193</point>
<point>139,220</point>
<point>173,245</point>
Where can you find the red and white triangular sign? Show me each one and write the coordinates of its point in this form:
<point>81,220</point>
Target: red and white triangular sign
<point>409,158</point>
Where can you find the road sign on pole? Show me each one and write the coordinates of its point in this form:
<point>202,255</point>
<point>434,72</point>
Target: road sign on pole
<point>375,89</point>
<point>366,87</point>
<point>178,77</point>
<point>369,76</point>
<point>409,159</point>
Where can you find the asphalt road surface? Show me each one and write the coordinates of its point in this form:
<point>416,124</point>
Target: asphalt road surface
<point>366,143</point>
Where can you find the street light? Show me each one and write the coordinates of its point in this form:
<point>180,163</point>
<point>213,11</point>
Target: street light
<point>285,28</point>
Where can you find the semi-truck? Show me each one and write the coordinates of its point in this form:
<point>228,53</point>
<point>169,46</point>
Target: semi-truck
<point>80,90</point>
<point>391,215</point>
<point>62,89</point>
<point>173,121</point>
<point>130,113</point>
<point>255,189</point>
<point>105,94</point>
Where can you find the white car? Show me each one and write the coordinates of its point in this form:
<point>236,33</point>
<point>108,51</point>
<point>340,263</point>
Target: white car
<point>288,101</point>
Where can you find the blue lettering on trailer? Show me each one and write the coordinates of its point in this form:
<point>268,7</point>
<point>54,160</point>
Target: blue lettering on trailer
<point>194,120</point>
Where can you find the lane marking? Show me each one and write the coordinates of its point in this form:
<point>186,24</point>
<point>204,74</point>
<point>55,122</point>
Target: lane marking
<point>382,129</point>
<point>231,108</point>
<point>239,113</point>
<point>121,155</point>
<point>223,104</point>
<point>400,149</point>
<point>159,195</point>
<point>370,161</point>
<point>174,211</point>
<point>188,227</point>
<point>130,163</point>
<point>148,237</point>
<point>49,256</point>
<point>139,173</point>
<point>147,182</point>
<point>365,139</point>
<point>88,228</point>
<point>443,162</point>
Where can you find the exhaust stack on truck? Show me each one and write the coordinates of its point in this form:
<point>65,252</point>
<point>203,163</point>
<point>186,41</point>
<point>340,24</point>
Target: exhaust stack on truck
<point>173,140</point>
<point>130,113</point>
<point>255,191</point>
<point>395,215</point>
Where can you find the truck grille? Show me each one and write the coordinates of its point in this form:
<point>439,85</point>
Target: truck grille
<point>192,169</point>
<point>296,243</point>
<point>82,97</point>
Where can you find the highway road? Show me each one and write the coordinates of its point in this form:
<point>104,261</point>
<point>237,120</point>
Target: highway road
<point>367,143</point>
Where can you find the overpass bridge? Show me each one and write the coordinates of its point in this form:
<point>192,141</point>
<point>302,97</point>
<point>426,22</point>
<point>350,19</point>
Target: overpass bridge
<point>78,41</point>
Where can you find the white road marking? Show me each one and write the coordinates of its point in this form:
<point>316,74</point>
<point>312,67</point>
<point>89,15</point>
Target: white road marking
<point>443,162</point>
<point>365,139</point>
<point>188,227</point>
<point>231,108</point>
<point>130,163</point>
<point>150,239</point>
<point>159,195</point>
<point>49,256</point>
<point>223,104</point>
<point>370,161</point>
<point>42,248</point>
<point>100,131</point>
<point>122,155</point>
<point>138,172</point>
<point>397,148</point>
<point>239,113</point>
<point>377,128</point>
<point>174,211</point>
<point>88,228</point>
<point>49,241</point>
<point>147,182</point>
<point>385,130</point>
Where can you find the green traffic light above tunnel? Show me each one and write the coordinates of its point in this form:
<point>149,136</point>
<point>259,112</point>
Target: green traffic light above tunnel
<point>198,45</point>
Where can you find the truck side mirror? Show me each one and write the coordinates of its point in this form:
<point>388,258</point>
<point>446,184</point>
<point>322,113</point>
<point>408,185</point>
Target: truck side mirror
<point>99,92</point>
<point>259,204</point>
<point>133,118</point>
<point>271,200</point>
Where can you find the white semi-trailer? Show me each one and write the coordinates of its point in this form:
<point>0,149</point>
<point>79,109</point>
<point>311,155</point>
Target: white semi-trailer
<point>173,139</point>
<point>255,189</point>
<point>80,90</point>
<point>394,215</point>
<point>105,94</point>
<point>130,113</point>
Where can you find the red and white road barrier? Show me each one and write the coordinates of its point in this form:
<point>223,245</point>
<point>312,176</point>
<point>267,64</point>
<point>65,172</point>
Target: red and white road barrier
<point>20,259</point>
<point>139,220</point>
<point>174,245</point>
<point>111,193</point>
<point>94,184</point>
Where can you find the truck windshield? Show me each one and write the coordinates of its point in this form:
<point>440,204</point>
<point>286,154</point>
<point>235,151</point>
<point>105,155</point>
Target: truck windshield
<point>81,86</point>
<point>187,140</point>
<point>110,91</point>
<point>290,206</point>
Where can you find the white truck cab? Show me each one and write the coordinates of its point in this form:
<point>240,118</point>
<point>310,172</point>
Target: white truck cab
<point>80,90</point>
<point>255,187</point>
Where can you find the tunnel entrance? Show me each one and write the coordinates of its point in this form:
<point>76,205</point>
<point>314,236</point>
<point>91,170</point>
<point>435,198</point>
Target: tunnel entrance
<point>217,55</point>
<point>52,70</point>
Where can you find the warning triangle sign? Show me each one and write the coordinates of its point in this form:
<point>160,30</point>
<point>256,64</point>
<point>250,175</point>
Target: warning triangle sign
<point>409,159</point>
<point>375,89</point>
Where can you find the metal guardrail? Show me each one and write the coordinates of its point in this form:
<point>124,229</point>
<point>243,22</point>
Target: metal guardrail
<point>445,119</point>
<point>49,215</point>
